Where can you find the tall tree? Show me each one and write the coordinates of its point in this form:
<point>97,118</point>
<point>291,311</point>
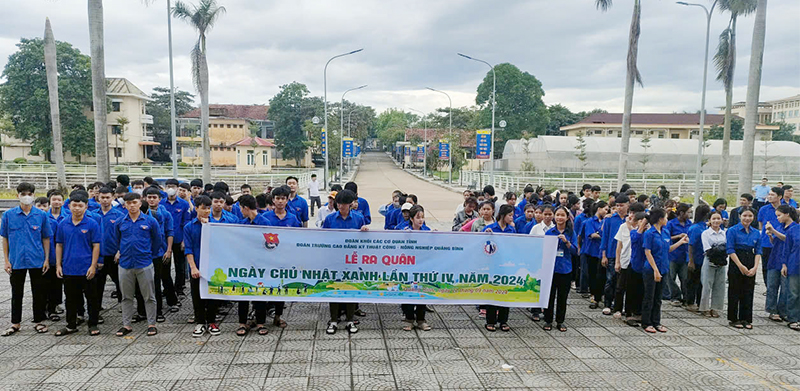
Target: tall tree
<point>725,62</point>
<point>99,89</point>
<point>751,103</point>
<point>52,88</point>
<point>391,124</point>
<point>158,107</point>
<point>632,76</point>
<point>519,103</point>
<point>287,109</point>
<point>24,98</point>
<point>202,17</point>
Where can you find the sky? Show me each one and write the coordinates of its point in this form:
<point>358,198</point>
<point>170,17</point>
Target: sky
<point>575,50</point>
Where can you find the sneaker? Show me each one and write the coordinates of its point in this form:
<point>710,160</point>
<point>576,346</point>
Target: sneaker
<point>100,319</point>
<point>352,328</point>
<point>114,294</point>
<point>606,311</point>
<point>332,326</point>
<point>618,315</point>
<point>160,319</point>
<point>213,329</point>
<point>199,330</point>
<point>676,303</point>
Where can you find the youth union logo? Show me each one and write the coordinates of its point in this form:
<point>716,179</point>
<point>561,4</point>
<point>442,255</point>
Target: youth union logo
<point>271,241</point>
<point>490,247</point>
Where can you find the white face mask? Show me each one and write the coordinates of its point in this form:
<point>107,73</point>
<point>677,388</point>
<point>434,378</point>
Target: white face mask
<point>26,200</point>
<point>120,201</point>
<point>171,192</point>
<point>138,191</point>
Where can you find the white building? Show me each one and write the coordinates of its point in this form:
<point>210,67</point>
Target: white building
<point>781,110</point>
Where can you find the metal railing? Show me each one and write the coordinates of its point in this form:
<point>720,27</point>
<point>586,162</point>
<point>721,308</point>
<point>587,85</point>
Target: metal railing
<point>132,170</point>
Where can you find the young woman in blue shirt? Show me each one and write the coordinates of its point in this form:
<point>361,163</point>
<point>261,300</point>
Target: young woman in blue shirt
<point>744,249</point>
<point>592,231</point>
<point>791,270</point>
<point>657,247</point>
<point>678,228</point>
<point>777,285</point>
<point>562,272</point>
<point>415,313</point>
<point>583,273</point>
<point>504,224</point>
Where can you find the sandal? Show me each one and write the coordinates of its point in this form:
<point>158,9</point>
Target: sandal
<point>262,330</point>
<point>707,314</point>
<point>160,319</point>
<point>490,327</point>
<point>650,329</point>
<point>408,326</point>
<point>562,328</point>
<point>10,331</point>
<point>748,325</point>
<point>151,331</point>
<point>632,323</point>
<point>547,327</point>
<point>40,328</point>
<point>94,331</point>
<point>242,331</point>
<point>661,329</point>
<point>504,327</point>
<point>424,326</point>
<point>794,326</point>
<point>360,312</point>
<point>54,317</point>
<point>278,322</point>
<point>65,331</point>
<point>714,314</point>
<point>123,331</point>
<point>736,324</point>
<point>775,318</point>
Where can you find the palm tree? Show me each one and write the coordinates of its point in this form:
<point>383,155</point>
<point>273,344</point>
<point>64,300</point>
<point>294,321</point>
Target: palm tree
<point>52,87</point>
<point>725,62</point>
<point>751,102</point>
<point>632,75</point>
<point>202,17</point>
<point>99,104</point>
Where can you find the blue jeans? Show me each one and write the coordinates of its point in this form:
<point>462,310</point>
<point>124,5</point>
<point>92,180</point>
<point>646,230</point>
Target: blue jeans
<point>777,292</point>
<point>679,270</point>
<point>610,290</point>
<point>793,299</point>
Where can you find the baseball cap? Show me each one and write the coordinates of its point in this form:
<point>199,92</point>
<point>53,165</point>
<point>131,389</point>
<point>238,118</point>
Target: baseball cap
<point>406,206</point>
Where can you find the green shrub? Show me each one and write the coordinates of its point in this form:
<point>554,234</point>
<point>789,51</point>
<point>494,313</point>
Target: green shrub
<point>183,164</point>
<point>20,160</point>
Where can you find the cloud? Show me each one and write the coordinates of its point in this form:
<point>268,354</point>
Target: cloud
<point>522,272</point>
<point>507,264</point>
<point>258,46</point>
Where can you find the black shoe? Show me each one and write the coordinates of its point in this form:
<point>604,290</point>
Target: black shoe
<point>160,318</point>
<point>100,319</point>
<point>114,294</point>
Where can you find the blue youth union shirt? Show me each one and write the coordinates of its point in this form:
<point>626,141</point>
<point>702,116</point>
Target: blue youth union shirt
<point>179,209</point>
<point>681,254</point>
<point>737,238</point>
<point>779,248</point>
<point>495,227</point>
<point>165,225</point>
<point>563,253</point>
<point>289,220</point>
<point>658,243</point>
<point>260,219</point>
<point>299,207</point>
<point>335,221</point>
<point>696,241</point>
<point>138,241</point>
<point>78,242</point>
<point>108,245</point>
<point>637,251</point>
<point>24,234</point>
<point>363,207</point>
<point>767,214</point>
<point>608,244</point>
<point>191,239</point>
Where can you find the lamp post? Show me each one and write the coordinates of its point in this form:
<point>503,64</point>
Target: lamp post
<point>172,97</point>
<point>424,142</point>
<point>325,104</point>
<point>450,152</point>
<point>341,130</point>
<point>494,103</point>
<point>700,142</point>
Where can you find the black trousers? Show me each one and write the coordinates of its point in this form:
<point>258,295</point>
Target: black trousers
<point>597,277</point>
<point>76,288</point>
<point>651,302</point>
<point>495,314</point>
<point>576,269</point>
<point>260,308</point>
<point>414,312</point>
<point>559,288</point>
<point>765,253</point>
<point>205,310</point>
<point>740,289</point>
<point>314,201</point>
<point>180,267</point>
<point>634,292</point>
<point>38,290</point>
<point>109,269</point>
<point>694,286</point>
<point>169,290</point>
<point>622,289</point>
<point>55,289</point>
<point>349,308</point>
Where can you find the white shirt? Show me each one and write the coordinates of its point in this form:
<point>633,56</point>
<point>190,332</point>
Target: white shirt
<point>624,236</point>
<point>322,214</point>
<point>541,229</point>
<point>313,188</point>
<point>711,238</point>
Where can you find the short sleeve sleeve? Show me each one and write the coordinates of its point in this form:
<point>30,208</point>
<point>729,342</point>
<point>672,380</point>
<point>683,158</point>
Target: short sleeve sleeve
<point>187,239</point>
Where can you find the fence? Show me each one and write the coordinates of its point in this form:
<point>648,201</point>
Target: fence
<point>678,184</point>
<point>134,171</point>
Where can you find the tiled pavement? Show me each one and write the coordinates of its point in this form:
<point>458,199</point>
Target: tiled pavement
<point>597,352</point>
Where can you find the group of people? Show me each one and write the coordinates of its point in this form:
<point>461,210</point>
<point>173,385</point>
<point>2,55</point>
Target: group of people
<point>625,254</point>
<point>630,252</point>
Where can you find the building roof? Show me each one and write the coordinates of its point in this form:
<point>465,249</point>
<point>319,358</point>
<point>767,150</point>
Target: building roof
<point>791,98</point>
<point>654,119</point>
<point>250,112</point>
<point>253,142</point>
<point>120,86</point>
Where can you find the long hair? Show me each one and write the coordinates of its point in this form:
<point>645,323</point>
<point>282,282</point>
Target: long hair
<point>568,224</point>
<point>788,209</point>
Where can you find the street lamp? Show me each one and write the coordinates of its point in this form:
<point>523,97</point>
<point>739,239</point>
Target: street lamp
<point>172,97</point>
<point>450,152</point>
<point>341,130</point>
<point>425,143</point>
<point>494,103</point>
<point>325,99</point>
<point>699,166</point>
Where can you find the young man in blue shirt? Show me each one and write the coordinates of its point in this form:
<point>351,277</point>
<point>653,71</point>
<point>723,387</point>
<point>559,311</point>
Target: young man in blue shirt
<point>250,216</point>
<point>26,247</point>
<point>161,258</point>
<point>236,209</point>
<point>138,237</point>
<point>761,192</point>
<point>55,287</point>
<point>180,210</point>
<point>745,200</point>
<point>218,212</point>
<point>297,205</point>
<point>106,264</point>
<point>766,214</point>
<point>77,250</point>
<point>363,206</point>
<point>205,310</point>
<point>57,209</point>
<point>788,193</point>
<point>280,217</point>
<point>608,246</point>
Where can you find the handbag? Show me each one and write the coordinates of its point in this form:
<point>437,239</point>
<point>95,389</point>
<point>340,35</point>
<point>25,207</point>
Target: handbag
<point>718,255</point>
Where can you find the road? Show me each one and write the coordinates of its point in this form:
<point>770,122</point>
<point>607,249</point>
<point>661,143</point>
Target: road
<point>378,176</point>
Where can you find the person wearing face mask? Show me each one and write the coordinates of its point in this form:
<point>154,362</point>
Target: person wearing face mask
<point>26,247</point>
<point>118,202</point>
<point>179,209</point>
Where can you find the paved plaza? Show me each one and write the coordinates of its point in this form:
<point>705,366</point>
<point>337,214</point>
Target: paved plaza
<point>597,352</point>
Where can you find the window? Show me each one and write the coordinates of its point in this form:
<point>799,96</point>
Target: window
<point>116,129</point>
<point>598,132</point>
<point>639,132</point>
<point>238,154</point>
<point>117,152</point>
<point>115,106</point>
<point>676,135</point>
<point>241,126</point>
<point>229,126</point>
<point>264,158</point>
<point>251,158</point>
<point>619,134</point>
